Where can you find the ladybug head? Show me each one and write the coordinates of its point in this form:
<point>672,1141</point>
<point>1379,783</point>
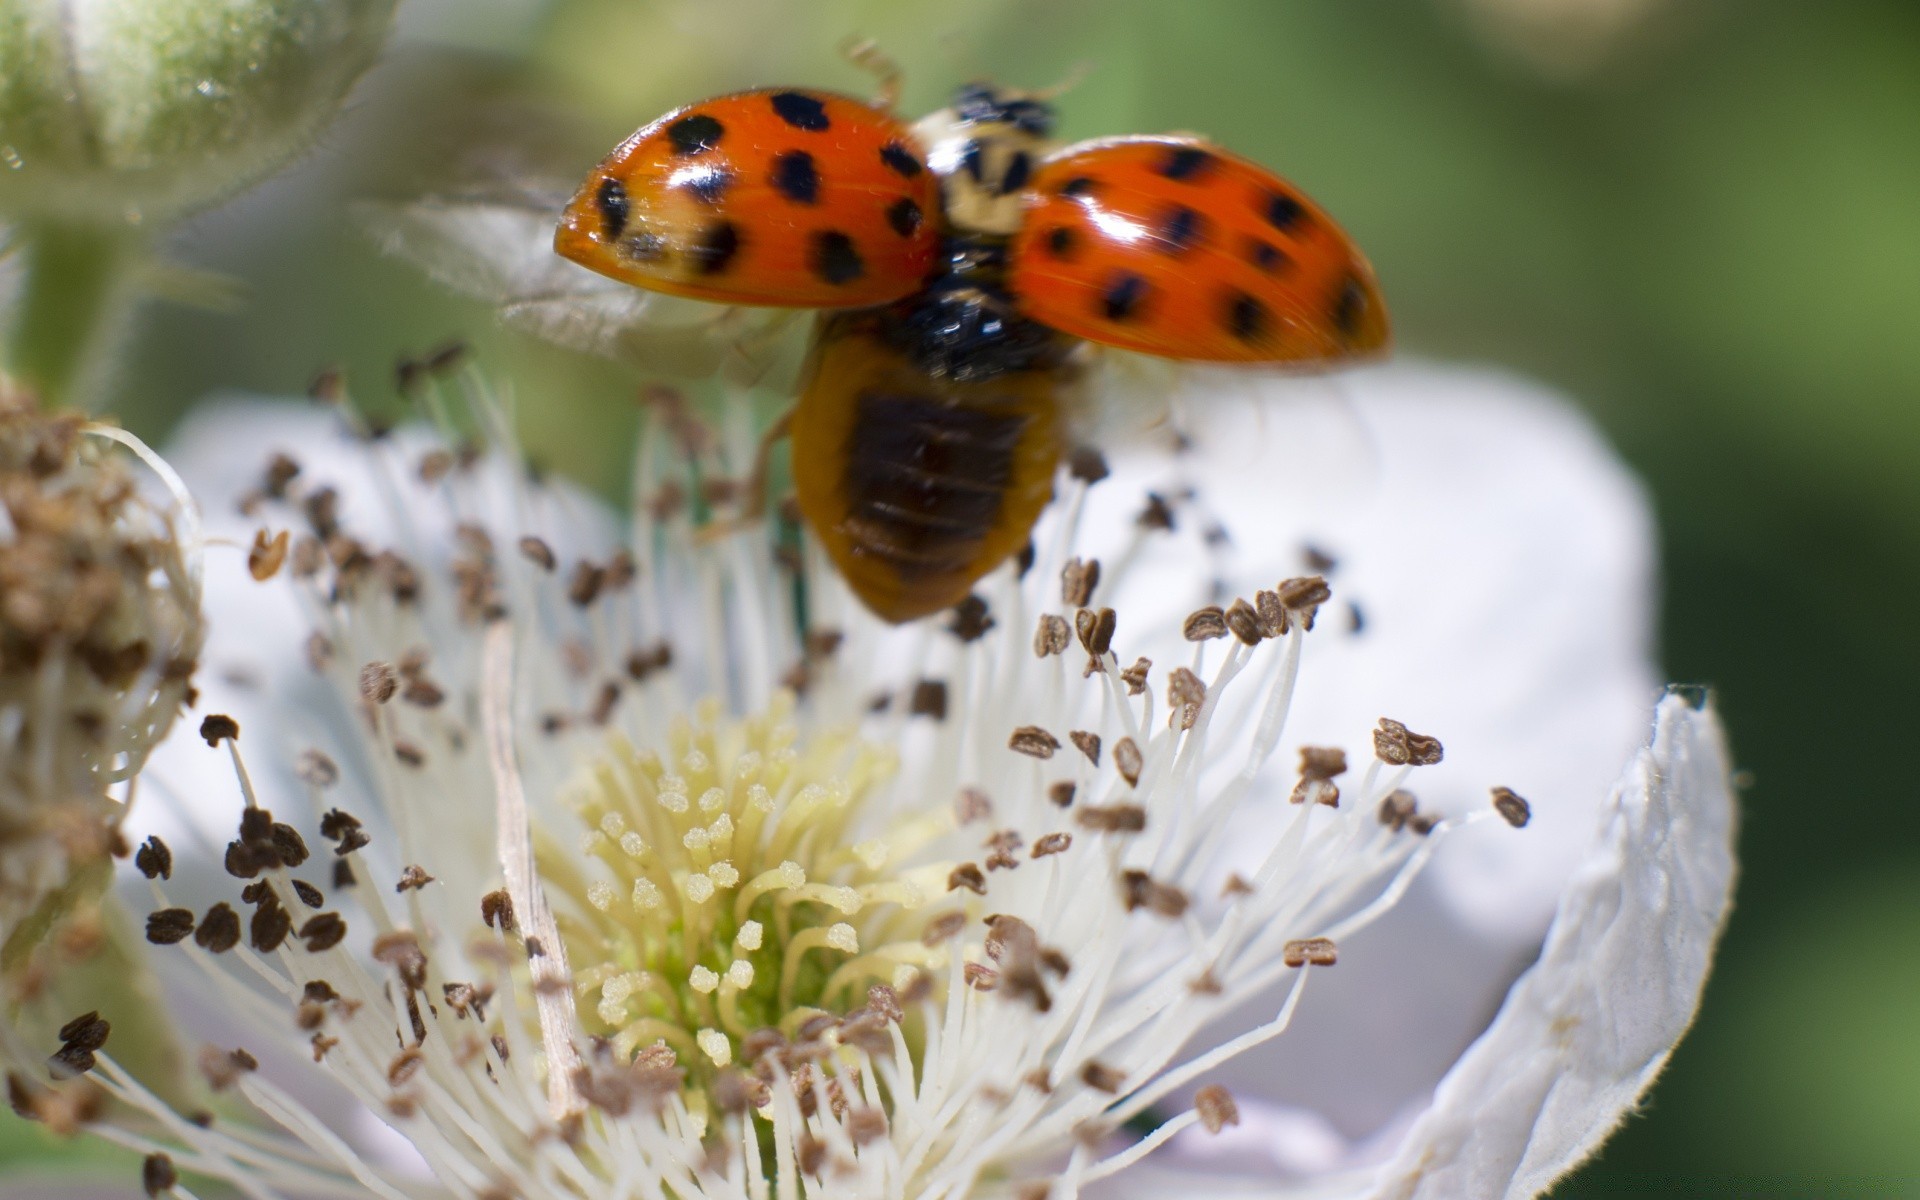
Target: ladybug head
<point>982,103</point>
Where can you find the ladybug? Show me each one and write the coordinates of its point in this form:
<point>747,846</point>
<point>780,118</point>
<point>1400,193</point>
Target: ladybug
<point>967,268</point>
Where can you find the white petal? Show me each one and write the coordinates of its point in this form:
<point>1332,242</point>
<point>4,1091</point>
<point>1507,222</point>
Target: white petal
<point>1583,1033</point>
<point>1502,558</point>
<point>1586,1029</point>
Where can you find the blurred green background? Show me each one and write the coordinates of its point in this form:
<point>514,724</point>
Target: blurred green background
<point>1701,218</point>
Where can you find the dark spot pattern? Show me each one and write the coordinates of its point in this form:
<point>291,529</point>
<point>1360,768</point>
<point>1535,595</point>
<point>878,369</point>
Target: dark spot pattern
<point>901,160</point>
<point>970,159</point>
<point>1180,229</point>
<point>714,250</point>
<point>801,111</point>
<point>1186,163</point>
<point>1019,171</point>
<point>694,134</point>
<point>1062,241</point>
<point>1284,212</point>
<point>1267,256</point>
<point>710,186</point>
<point>611,199</point>
<point>1079,185</point>
<point>1349,307</point>
<point>905,216</point>
<point>835,258</point>
<point>1123,296</point>
<point>1247,318</point>
<point>795,177</point>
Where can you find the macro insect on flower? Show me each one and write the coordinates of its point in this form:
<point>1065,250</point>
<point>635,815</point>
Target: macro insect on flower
<point>966,262</point>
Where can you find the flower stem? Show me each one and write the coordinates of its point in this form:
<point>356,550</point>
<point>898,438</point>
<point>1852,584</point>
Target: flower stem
<point>72,309</point>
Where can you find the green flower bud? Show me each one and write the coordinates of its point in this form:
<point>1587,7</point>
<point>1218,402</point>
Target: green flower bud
<point>131,110</point>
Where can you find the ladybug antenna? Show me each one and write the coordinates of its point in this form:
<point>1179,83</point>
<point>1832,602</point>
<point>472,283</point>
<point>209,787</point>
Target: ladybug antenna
<point>866,54</point>
<point>1075,76</point>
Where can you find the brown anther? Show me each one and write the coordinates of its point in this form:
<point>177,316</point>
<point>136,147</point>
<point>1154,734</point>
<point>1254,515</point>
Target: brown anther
<point>322,1044</point>
<point>288,846</point>
<point>434,466</point>
<point>496,910</point>
<point>1274,620</point>
<point>1397,809</point>
<point>970,805</point>
<point>1318,767</point>
<point>1135,676</point>
<point>1033,1189</point>
<point>1158,514</point>
<point>1204,624</point>
<point>968,876</point>
<point>1398,746</point>
<point>1512,808</point>
<point>378,682</point>
<point>1205,984</point>
<point>343,873</point>
<point>323,932</point>
<point>1216,1108</point>
<point>1087,743</point>
<point>309,894</point>
<point>605,700</point>
<point>401,951</point>
<point>1033,741</point>
<point>1052,636</point>
<point>154,859</point>
<point>319,650</point>
<point>1051,843</point>
<point>1061,793</point>
<point>943,927</point>
<point>1245,623</point>
<point>423,693</point>
<point>317,769</point>
<point>734,1092</point>
<point>405,1066</point>
<point>1078,579</point>
<point>1186,694</point>
<point>929,699</point>
<point>583,586</point>
<point>620,571</point>
<point>264,559</point>
<point>866,1126</point>
<point>971,619</point>
<point>1302,598</point>
<point>884,1001</point>
<point>1087,464</point>
<point>982,978</point>
<point>1127,760</point>
<point>1102,1078</point>
<point>157,1175</point>
<point>537,552</point>
<point>1112,818</point>
<point>169,926</point>
<point>1302,952</point>
<point>1140,890</point>
<point>412,878</point>
<point>1095,630</point>
<point>219,930</point>
<point>270,925</point>
<point>223,1068</point>
<point>219,727</point>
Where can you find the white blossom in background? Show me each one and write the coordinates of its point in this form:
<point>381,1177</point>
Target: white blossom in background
<point>654,866</point>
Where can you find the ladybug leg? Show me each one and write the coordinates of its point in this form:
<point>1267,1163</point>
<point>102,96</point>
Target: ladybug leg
<point>753,489</point>
<point>866,54</point>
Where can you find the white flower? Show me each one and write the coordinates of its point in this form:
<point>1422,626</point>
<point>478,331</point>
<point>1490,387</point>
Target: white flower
<point>1007,896</point>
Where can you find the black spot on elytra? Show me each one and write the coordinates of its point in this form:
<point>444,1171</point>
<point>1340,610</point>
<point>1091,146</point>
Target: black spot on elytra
<point>801,111</point>
<point>1284,212</point>
<point>970,159</point>
<point>710,186</point>
<point>901,160</point>
<point>1018,172</point>
<point>795,177</point>
<point>1246,318</point>
<point>1267,256</point>
<point>611,199</point>
<point>714,250</point>
<point>1122,298</point>
<point>1079,185</point>
<point>905,216</point>
<point>1062,241</point>
<point>1180,229</point>
<point>835,258</point>
<point>1186,163</point>
<point>1349,307</point>
<point>691,135</point>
